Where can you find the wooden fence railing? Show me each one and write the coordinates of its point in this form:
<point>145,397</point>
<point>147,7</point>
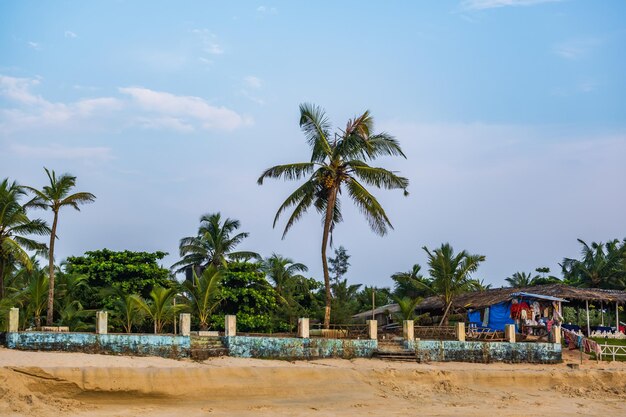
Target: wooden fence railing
<point>340,331</point>
<point>612,351</point>
<point>435,332</point>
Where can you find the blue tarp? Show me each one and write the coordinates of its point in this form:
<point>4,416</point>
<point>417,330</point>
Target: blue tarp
<point>500,315</point>
<point>474,317</point>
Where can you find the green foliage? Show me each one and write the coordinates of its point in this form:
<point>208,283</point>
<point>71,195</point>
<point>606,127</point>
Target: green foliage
<point>603,265</point>
<point>339,264</point>
<point>213,245</point>
<point>451,273</point>
<point>344,302</point>
<point>159,307</point>
<point>246,293</point>
<point>203,294</point>
<point>339,162</point>
<point>125,272</point>
<point>407,308</point>
<point>411,284</point>
<point>382,296</point>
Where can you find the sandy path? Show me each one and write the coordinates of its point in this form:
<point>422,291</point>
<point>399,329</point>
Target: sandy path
<point>71,384</point>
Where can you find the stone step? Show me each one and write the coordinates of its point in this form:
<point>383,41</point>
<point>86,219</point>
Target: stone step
<point>204,347</point>
<point>405,356</point>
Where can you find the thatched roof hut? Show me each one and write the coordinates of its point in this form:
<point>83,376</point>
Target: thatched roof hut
<point>482,299</point>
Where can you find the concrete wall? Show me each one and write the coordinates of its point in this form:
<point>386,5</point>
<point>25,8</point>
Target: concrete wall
<point>485,352</point>
<point>293,348</point>
<point>130,344</point>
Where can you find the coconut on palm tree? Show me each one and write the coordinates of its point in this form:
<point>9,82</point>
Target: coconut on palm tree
<point>55,196</point>
<point>14,226</point>
<point>338,163</point>
<point>214,245</point>
<point>451,274</point>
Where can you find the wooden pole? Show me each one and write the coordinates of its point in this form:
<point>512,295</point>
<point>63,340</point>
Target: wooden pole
<point>617,316</point>
<point>588,327</point>
<point>602,312</point>
<point>373,303</point>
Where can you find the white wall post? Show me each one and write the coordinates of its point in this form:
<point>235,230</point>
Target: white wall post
<point>509,333</point>
<point>101,322</point>
<point>14,319</point>
<point>408,330</point>
<point>556,334</point>
<point>459,330</point>
<point>185,324</point>
<point>372,329</point>
<point>303,327</point>
<point>230,325</point>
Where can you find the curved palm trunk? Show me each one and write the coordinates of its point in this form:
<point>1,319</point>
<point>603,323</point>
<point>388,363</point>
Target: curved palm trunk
<point>1,279</point>
<point>50,312</point>
<point>330,208</point>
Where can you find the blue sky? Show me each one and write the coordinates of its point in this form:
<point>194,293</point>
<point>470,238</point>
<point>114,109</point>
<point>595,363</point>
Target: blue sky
<point>512,114</point>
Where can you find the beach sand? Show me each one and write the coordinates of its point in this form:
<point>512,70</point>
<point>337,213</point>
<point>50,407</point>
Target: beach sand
<point>74,384</point>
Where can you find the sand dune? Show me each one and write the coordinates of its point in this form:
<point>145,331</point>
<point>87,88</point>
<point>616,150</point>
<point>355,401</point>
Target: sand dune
<point>50,384</point>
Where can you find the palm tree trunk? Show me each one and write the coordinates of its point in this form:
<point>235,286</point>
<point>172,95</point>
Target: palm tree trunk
<point>50,312</point>
<point>330,209</point>
<point>1,279</point>
<point>445,315</point>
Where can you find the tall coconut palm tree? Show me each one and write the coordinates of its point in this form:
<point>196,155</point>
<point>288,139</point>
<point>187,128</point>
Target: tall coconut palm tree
<point>451,274</point>
<point>55,196</point>
<point>14,226</point>
<point>338,162</point>
<point>213,245</point>
<point>411,283</point>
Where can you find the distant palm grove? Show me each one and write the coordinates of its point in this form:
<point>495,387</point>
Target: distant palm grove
<point>267,292</point>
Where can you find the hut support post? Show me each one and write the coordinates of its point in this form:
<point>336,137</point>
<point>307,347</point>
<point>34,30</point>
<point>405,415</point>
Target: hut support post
<point>617,316</point>
<point>602,312</point>
<point>588,327</point>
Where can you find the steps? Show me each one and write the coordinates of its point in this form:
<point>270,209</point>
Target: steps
<point>393,350</point>
<point>205,347</point>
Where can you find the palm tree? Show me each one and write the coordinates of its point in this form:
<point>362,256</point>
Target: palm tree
<point>55,196</point>
<point>204,293</point>
<point>34,296</point>
<point>337,161</point>
<point>602,265</point>
<point>282,271</point>
<point>213,245</point>
<point>407,307</point>
<point>14,224</point>
<point>451,274</point>
<point>128,310</point>
<point>520,279</point>
<point>410,284</point>
<point>159,307</point>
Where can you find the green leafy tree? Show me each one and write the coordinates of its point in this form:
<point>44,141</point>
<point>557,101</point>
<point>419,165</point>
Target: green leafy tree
<point>123,272</point>
<point>339,264</point>
<point>55,196</point>
<point>34,296</point>
<point>204,294</point>
<point>382,296</point>
<point>246,293</point>
<point>451,274</point>
<point>601,266</point>
<point>160,307</point>
<point>344,301</point>
<point>338,162</point>
<point>544,279</point>
<point>15,225</point>
<point>214,245</point>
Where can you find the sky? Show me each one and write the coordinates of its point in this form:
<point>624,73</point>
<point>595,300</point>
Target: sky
<point>512,115</point>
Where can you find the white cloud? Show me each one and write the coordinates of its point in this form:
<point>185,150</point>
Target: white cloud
<point>492,4</point>
<point>187,109</point>
<point>252,81</point>
<point>139,107</point>
<point>70,34</point>
<point>576,49</point>
<point>35,45</point>
<point>208,41</point>
<point>62,152</point>
<point>266,10</point>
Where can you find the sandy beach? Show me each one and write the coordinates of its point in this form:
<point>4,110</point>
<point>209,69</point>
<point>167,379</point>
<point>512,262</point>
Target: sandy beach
<point>73,384</point>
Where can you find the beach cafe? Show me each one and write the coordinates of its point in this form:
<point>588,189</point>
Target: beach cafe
<point>533,309</point>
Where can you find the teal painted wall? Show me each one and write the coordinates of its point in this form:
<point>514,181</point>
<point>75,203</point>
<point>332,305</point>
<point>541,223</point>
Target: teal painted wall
<point>295,348</point>
<point>485,352</point>
<point>131,344</point>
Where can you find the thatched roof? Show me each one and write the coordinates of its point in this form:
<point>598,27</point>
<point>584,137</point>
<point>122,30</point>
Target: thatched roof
<point>389,308</point>
<point>481,299</point>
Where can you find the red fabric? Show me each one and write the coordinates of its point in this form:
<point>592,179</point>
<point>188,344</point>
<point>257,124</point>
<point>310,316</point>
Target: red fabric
<point>516,310</point>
